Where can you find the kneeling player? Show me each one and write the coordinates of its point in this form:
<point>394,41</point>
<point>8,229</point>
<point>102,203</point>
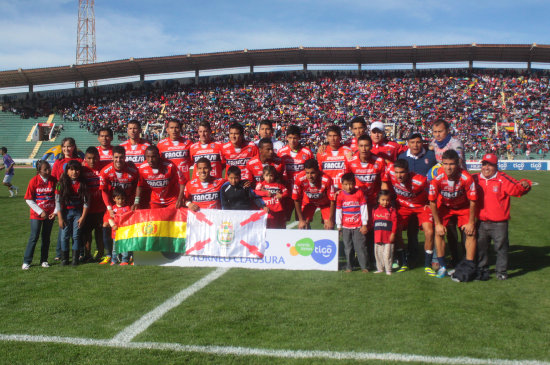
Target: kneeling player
<point>203,192</point>
<point>453,194</point>
<point>313,189</point>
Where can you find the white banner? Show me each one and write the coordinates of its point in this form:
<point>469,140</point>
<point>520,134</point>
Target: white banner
<point>287,249</point>
<point>226,233</point>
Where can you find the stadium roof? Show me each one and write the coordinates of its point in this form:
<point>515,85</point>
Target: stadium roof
<point>275,57</point>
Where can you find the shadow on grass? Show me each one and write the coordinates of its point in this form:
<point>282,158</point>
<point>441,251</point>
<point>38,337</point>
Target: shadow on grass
<point>524,259</point>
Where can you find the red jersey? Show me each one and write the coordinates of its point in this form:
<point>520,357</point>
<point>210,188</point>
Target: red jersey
<point>352,143</point>
<point>59,166</point>
<point>43,194</point>
<point>388,150</point>
<point>494,195</point>
<point>119,211</point>
<point>453,194</point>
<point>135,152</point>
<point>92,182</point>
<point>213,152</point>
<point>413,193</point>
<point>164,182</point>
<point>255,168</point>
<point>109,178</point>
<point>351,209</point>
<point>177,152</point>
<point>265,190</point>
<point>368,175</point>
<point>205,195</point>
<point>385,223</point>
<point>105,156</point>
<point>74,198</point>
<point>319,194</point>
<point>239,157</point>
<point>334,163</point>
<point>293,161</point>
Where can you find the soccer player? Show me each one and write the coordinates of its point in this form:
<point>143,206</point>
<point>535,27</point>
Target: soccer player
<point>207,148</point>
<point>164,180</point>
<point>237,152</point>
<point>352,218</point>
<point>411,190</point>
<point>381,147</point>
<point>8,177</point>
<point>266,157</point>
<point>265,130</point>
<point>135,146</point>
<point>105,149</point>
<point>118,173</point>
<point>175,148</point>
<point>203,192</point>
<point>494,189</point>
<point>453,194</point>
<point>358,127</point>
<point>334,160</point>
<point>313,189</point>
<point>94,221</point>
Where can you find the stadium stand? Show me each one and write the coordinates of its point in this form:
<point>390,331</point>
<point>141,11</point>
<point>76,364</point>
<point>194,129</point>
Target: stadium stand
<point>15,131</point>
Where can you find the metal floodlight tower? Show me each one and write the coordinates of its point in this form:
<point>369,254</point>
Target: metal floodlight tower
<point>85,37</point>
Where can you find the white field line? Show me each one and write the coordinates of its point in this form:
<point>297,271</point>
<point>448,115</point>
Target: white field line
<point>290,354</point>
<point>130,332</point>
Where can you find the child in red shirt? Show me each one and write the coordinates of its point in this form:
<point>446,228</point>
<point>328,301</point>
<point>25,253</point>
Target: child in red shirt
<point>352,216</point>
<point>119,208</point>
<point>385,226</point>
<point>272,193</point>
<point>40,197</point>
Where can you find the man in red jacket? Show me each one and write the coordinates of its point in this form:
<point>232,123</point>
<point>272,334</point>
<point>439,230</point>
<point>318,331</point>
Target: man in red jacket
<point>494,191</point>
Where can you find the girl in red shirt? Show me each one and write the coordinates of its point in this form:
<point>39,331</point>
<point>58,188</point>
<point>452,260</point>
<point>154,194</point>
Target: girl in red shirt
<point>385,225</point>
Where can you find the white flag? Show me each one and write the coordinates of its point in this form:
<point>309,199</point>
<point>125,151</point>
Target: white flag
<point>226,233</point>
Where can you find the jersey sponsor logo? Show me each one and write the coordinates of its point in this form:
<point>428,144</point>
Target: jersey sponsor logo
<point>351,219</point>
<point>451,194</point>
<point>157,183</point>
<point>404,193</point>
<point>123,185</point>
<point>206,197</point>
<point>238,162</point>
<point>135,158</point>
<point>367,178</point>
<point>314,196</point>
<point>44,190</point>
<point>273,190</point>
<point>383,225</point>
<point>294,167</point>
<point>333,165</point>
<point>209,157</point>
<point>175,154</point>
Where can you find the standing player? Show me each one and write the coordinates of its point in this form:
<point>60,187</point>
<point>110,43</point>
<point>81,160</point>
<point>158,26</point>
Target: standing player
<point>94,221</point>
<point>453,194</point>
<point>237,152</point>
<point>203,192</point>
<point>381,147</point>
<point>122,174</point>
<point>334,160</point>
<point>265,130</point>
<point>105,149</point>
<point>494,190</point>
<point>411,190</point>
<point>163,179</point>
<point>8,165</point>
<point>135,146</point>
<point>175,148</point>
<point>358,127</point>
<point>266,157</point>
<point>313,189</point>
<point>207,148</point>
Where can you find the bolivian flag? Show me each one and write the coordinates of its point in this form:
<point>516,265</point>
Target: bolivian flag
<point>161,229</point>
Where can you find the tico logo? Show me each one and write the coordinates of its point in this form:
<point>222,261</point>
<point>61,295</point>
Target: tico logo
<point>322,251</point>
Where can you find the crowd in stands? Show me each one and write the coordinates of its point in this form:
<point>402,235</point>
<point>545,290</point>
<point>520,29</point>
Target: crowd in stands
<point>471,102</point>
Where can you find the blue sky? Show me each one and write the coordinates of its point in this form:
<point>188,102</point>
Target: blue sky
<point>42,33</point>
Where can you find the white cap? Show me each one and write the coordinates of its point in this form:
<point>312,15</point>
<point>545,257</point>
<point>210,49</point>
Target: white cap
<point>377,125</point>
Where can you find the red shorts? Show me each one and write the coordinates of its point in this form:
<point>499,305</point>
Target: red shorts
<point>462,215</point>
<point>308,211</point>
<point>424,215</point>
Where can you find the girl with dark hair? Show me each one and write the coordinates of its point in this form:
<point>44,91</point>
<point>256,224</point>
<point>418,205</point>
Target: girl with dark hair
<point>40,197</point>
<point>71,197</point>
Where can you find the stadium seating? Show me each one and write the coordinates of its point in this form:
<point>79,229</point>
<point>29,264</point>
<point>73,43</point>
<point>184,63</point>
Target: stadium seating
<point>15,131</point>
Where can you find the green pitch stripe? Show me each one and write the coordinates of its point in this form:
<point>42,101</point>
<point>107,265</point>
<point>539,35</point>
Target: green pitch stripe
<point>163,244</point>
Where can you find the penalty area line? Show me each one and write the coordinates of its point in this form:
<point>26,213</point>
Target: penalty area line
<point>130,332</point>
<point>290,354</point>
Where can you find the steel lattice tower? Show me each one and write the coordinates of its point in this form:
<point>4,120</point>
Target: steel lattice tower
<point>85,37</point>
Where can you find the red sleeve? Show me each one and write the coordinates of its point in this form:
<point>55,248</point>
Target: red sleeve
<point>393,218</point>
<point>512,186</point>
<point>284,191</point>
<point>330,191</point>
<point>259,192</point>
<point>434,191</point>
<point>31,189</point>
<point>471,192</point>
<point>296,193</point>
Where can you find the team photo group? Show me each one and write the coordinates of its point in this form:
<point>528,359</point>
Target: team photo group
<point>373,190</point>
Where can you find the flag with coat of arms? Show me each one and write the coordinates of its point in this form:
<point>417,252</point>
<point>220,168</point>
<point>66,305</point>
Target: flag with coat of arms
<point>226,233</point>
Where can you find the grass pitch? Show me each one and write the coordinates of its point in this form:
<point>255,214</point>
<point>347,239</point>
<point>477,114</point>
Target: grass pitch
<point>407,313</point>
